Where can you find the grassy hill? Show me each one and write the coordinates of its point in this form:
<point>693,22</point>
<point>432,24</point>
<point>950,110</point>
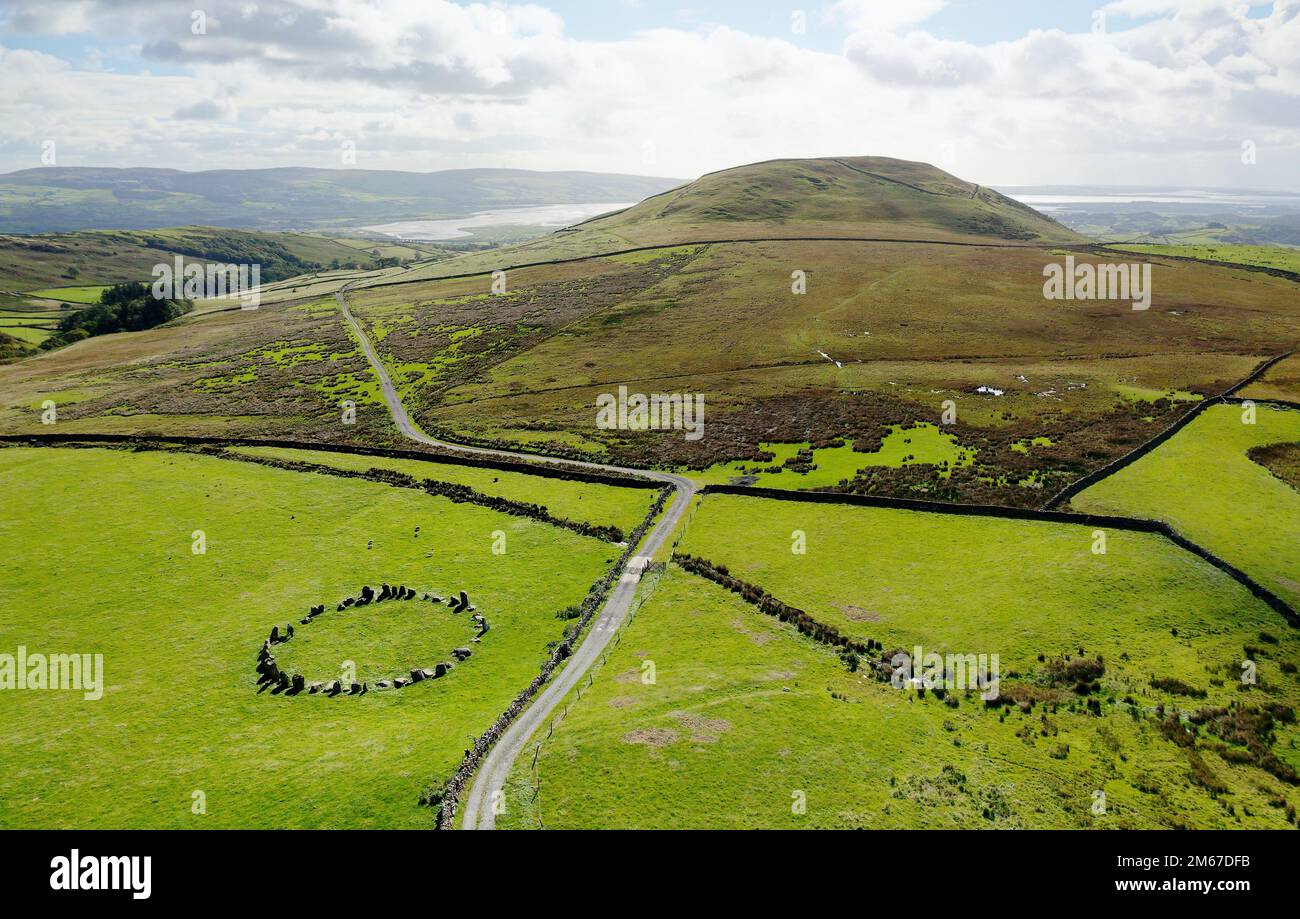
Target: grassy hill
<point>42,276</point>
<point>922,290</point>
<point>1280,258</point>
<point>56,199</point>
<point>863,197</point>
<point>112,256</point>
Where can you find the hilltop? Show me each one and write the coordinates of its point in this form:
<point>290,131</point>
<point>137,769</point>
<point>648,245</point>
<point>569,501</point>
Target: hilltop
<point>865,197</point>
<point>866,194</point>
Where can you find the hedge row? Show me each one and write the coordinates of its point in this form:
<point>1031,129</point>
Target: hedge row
<point>751,593</point>
<point>460,494</point>
<point>551,470</point>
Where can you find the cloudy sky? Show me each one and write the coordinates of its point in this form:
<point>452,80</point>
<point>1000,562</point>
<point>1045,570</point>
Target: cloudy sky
<point>1164,92</point>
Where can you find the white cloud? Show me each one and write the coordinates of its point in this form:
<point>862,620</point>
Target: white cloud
<point>427,85</point>
<point>917,58</point>
<point>883,15</point>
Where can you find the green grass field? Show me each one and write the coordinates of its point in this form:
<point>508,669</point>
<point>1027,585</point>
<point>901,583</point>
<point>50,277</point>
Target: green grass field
<point>30,318</point>
<point>923,445</point>
<point>32,335</point>
<point>745,716</point>
<point>106,540</point>
<point>603,505</point>
<point>389,640</point>
<point>1236,507</point>
<point>1286,258</point>
<point>71,294</point>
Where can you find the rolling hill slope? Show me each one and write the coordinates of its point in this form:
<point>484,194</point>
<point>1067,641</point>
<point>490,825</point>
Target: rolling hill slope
<point>847,197</point>
<point>54,199</point>
<point>113,256</point>
<point>831,196</point>
<point>922,290</point>
<point>43,275</point>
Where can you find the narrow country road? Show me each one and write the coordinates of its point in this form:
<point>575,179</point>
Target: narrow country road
<point>492,772</point>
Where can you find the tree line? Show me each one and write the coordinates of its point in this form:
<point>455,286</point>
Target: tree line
<point>129,307</point>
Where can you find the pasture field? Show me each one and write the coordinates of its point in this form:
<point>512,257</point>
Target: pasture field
<point>1203,482</point>
<point>30,327</point>
<point>745,717</point>
<point>589,502</point>
<point>1286,258</point>
<point>105,537</point>
<point>85,295</point>
<point>26,332</point>
<point>31,317</point>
